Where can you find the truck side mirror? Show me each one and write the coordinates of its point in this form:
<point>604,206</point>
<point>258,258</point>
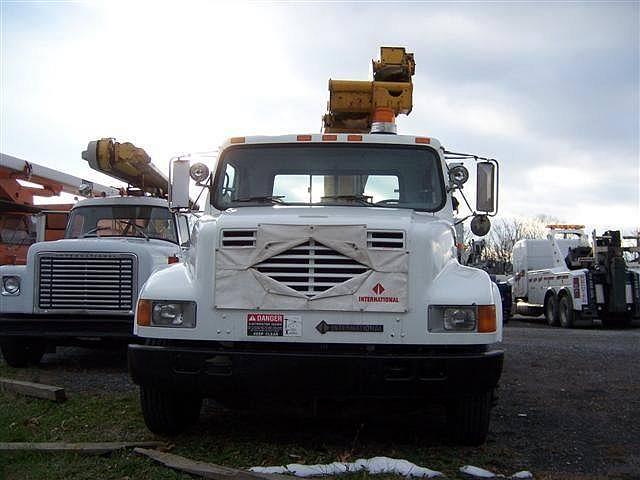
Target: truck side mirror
<point>179,183</point>
<point>486,187</point>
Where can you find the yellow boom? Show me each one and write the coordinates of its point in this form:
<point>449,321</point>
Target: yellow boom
<point>128,163</point>
<point>357,106</point>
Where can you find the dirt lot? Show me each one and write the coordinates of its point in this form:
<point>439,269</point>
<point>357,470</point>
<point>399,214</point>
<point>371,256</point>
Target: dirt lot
<point>569,407</point>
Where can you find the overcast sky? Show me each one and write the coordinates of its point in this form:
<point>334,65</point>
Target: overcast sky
<point>550,89</point>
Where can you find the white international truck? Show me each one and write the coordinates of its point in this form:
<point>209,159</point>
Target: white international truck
<point>324,267</point>
<point>573,281</point>
<point>84,287</point>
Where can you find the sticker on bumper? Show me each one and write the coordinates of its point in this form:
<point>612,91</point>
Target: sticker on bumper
<point>324,327</point>
<point>273,325</point>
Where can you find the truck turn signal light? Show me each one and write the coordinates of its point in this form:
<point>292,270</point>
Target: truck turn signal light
<point>486,318</point>
<point>143,315</point>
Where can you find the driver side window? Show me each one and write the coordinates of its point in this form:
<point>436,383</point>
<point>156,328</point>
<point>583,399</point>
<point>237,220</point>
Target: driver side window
<point>229,188</point>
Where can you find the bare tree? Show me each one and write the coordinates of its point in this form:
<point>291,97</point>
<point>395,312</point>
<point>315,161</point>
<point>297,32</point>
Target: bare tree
<point>507,231</point>
<point>632,256</point>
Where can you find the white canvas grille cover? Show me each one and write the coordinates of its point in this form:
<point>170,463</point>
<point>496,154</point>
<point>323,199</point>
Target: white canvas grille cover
<point>381,287</point>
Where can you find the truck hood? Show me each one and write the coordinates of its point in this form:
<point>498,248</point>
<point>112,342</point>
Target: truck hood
<point>372,217</point>
<point>138,246</point>
<point>297,251</point>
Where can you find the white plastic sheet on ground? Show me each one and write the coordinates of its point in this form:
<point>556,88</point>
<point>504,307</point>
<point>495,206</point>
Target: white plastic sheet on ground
<point>373,466</point>
<point>477,472</point>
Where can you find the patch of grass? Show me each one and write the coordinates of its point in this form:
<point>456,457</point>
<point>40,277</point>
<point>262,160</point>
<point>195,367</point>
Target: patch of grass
<point>101,418</point>
<point>49,466</point>
<point>221,437</point>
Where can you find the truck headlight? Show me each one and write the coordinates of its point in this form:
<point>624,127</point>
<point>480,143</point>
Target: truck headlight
<point>462,318</point>
<point>10,285</point>
<point>459,318</point>
<point>172,313</point>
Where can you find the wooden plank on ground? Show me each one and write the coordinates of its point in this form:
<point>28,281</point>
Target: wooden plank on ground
<point>203,469</point>
<point>89,448</point>
<point>39,390</point>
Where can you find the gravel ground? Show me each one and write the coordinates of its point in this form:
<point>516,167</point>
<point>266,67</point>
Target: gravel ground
<point>569,401</point>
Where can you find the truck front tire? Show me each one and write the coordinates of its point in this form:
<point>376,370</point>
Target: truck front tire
<point>22,352</point>
<point>468,418</point>
<point>167,412</point>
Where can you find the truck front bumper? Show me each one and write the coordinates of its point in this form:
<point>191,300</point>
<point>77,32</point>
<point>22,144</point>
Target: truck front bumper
<point>66,326</point>
<point>223,372</point>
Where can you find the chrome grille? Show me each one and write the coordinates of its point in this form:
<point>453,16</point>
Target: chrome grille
<point>87,281</point>
<point>311,268</point>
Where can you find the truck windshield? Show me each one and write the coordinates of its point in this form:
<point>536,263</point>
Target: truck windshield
<point>122,221</point>
<point>393,176</point>
<point>17,230</point>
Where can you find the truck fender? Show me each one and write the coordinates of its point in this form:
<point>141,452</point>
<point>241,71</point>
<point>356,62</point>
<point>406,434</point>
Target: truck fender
<point>174,282</point>
<point>23,301</point>
<point>457,284</point>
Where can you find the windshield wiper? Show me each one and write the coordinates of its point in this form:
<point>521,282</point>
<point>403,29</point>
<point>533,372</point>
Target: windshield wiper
<point>94,230</point>
<point>137,227</point>
<point>262,198</point>
<point>362,199</point>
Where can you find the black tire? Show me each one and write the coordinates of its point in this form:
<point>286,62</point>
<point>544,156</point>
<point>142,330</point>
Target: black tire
<point>468,418</point>
<point>168,413</point>
<point>22,352</point>
<point>565,312</point>
<point>551,311</point>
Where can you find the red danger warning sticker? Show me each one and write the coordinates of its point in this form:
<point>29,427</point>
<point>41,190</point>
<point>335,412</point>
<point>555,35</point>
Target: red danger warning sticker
<point>273,325</point>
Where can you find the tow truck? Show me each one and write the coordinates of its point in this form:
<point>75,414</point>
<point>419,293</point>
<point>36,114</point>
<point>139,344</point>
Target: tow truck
<point>83,288</point>
<point>22,221</point>
<point>573,281</point>
<point>325,267</point>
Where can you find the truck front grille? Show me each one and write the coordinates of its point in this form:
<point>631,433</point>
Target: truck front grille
<point>87,281</point>
<point>311,268</point>
<point>385,240</point>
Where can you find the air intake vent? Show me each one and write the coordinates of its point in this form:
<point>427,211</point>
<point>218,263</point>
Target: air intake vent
<point>238,238</point>
<point>385,239</point>
<point>87,281</point>
<point>311,268</point>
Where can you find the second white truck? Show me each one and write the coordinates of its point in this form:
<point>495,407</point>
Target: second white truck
<point>573,281</point>
<point>84,287</point>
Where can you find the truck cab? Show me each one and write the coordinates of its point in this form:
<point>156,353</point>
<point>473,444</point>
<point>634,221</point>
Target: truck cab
<point>325,267</point>
<point>85,286</point>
